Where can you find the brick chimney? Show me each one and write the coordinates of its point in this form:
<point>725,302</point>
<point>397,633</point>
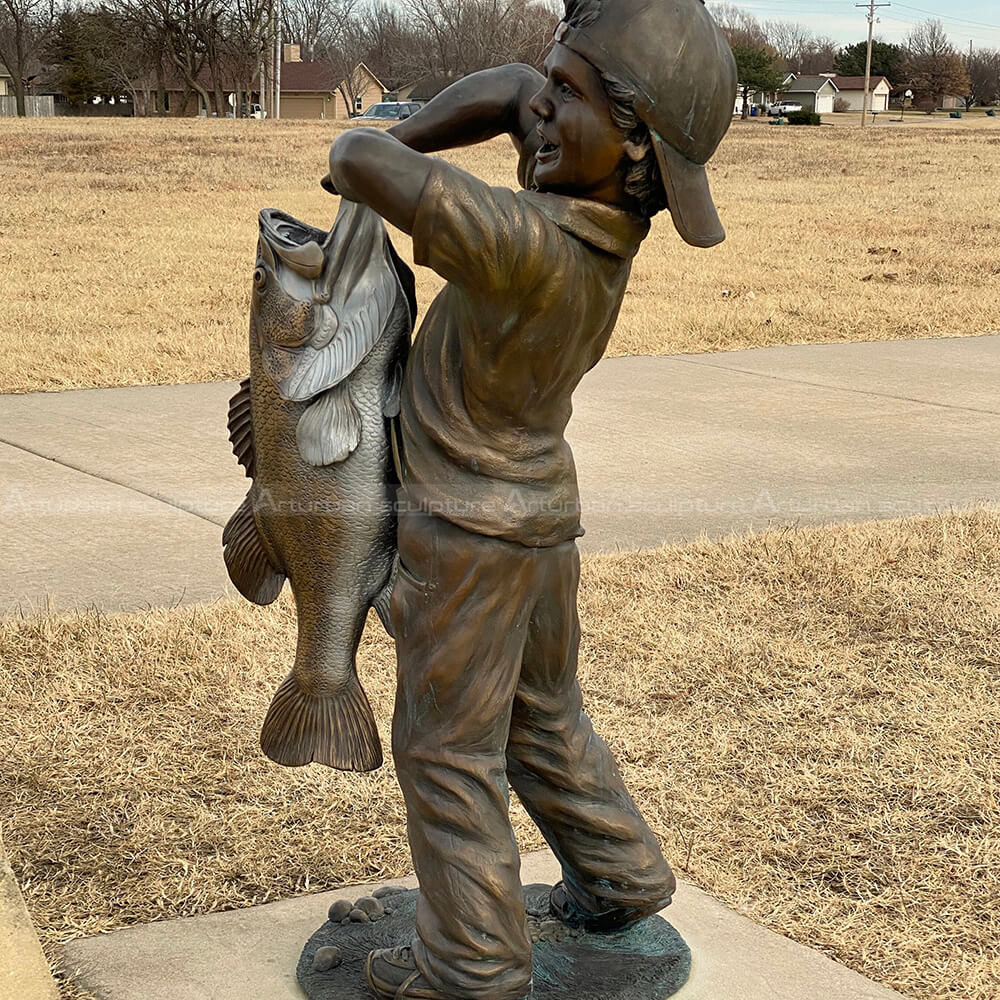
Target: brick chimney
<point>291,53</point>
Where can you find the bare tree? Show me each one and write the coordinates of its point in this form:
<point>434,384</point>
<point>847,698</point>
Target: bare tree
<point>23,27</point>
<point>192,35</point>
<point>391,42</point>
<point>984,77</point>
<point>738,25</point>
<point>246,37</point>
<point>462,36</point>
<point>934,68</point>
<point>343,53</point>
<point>128,55</point>
<point>315,25</point>
<point>790,40</point>
<point>818,56</point>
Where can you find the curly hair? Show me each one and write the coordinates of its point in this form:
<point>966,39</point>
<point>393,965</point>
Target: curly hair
<point>643,182</point>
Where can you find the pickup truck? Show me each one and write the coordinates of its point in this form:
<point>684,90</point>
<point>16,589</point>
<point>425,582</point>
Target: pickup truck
<point>783,108</point>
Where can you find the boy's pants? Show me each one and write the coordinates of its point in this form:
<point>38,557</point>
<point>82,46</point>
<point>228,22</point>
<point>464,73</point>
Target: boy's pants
<point>486,638</point>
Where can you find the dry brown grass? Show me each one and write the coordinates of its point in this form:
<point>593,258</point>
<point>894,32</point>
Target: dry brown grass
<point>808,718</point>
<point>126,246</point>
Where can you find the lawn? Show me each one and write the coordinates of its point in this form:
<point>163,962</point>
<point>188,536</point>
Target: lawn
<point>808,719</point>
<point>127,246</point>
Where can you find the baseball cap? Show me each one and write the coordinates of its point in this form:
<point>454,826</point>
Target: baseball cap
<point>679,64</point>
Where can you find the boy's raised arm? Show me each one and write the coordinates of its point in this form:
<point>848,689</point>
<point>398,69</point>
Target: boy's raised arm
<point>475,108</point>
<point>388,170</point>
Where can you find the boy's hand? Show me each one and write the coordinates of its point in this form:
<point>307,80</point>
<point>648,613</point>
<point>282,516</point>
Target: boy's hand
<point>370,166</point>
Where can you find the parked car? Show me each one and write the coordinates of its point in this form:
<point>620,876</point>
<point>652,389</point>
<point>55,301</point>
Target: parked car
<point>783,108</point>
<point>252,111</point>
<point>393,111</point>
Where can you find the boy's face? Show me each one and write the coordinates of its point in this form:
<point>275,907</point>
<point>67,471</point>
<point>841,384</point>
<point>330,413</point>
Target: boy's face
<point>583,149</point>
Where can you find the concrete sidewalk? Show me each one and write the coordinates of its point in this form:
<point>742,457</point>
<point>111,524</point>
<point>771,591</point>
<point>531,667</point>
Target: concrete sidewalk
<point>116,498</point>
<point>251,954</point>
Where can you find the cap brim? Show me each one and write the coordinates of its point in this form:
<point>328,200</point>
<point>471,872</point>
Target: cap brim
<point>689,197</point>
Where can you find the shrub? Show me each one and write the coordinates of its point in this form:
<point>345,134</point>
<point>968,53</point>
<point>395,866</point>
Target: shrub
<point>803,118</point>
<point>841,104</point>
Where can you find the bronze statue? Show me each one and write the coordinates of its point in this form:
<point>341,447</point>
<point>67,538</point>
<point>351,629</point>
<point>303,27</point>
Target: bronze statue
<point>637,96</point>
<point>330,325</point>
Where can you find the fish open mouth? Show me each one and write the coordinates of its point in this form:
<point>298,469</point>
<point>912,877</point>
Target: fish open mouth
<point>299,245</point>
<point>286,231</point>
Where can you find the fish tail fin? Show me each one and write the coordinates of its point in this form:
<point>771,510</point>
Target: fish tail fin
<point>337,730</point>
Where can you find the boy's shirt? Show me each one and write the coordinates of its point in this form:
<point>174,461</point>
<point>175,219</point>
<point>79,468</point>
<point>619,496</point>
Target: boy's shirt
<point>535,282</point>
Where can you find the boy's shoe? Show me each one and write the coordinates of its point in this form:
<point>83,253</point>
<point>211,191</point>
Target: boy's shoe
<point>562,905</point>
<point>393,973</point>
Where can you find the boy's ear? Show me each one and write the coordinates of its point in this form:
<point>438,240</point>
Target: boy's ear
<point>635,151</point>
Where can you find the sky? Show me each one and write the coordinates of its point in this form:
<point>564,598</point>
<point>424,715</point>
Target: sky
<point>964,20</point>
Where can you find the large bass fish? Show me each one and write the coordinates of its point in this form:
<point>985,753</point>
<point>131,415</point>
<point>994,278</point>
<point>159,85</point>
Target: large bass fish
<point>330,325</point>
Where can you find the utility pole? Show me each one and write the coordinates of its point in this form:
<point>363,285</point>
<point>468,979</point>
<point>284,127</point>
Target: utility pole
<point>872,6</point>
<point>279,52</point>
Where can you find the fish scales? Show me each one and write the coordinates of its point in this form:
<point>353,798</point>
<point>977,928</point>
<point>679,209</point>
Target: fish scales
<point>331,318</point>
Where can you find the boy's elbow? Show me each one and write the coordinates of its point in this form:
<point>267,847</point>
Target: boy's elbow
<point>354,156</point>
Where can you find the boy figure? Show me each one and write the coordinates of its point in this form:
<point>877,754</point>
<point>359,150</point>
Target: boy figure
<point>637,96</point>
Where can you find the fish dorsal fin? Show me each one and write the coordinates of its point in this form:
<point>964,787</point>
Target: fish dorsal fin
<point>247,560</point>
<point>355,300</point>
<point>241,428</point>
<point>330,429</point>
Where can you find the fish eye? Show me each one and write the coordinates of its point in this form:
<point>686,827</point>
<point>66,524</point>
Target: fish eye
<point>259,276</point>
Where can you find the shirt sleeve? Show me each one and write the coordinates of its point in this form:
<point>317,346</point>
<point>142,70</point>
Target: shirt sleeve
<point>480,237</point>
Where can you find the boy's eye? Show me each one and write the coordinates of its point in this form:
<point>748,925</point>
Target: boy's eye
<point>565,90</point>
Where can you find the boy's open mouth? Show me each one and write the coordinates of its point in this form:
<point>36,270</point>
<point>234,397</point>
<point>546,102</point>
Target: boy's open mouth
<point>547,151</point>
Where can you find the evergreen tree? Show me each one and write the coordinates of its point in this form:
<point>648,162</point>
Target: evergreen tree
<point>887,60</point>
<point>756,70</point>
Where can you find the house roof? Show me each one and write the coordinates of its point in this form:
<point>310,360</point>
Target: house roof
<point>808,84</point>
<point>308,76</point>
<point>858,82</point>
<point>429,86</point>
<point>296,77</point>
<point>316,77</point>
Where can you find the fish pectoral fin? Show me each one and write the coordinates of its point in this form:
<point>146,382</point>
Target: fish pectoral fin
<point>240,425</point>
<point>392,401</point>
<point>381,602</point>
<point>336,731</point>
<point>247,561</point>
<point>330,429</point>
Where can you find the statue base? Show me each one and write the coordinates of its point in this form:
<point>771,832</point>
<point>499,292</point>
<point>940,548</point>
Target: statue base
<point>647,961</point>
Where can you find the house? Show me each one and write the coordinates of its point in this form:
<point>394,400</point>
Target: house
<point>814,93</point>
<point>754,98</point>
<point>5,82</point>
<point>310,89</point>
<point>852,90</point>
<point>425,88</point>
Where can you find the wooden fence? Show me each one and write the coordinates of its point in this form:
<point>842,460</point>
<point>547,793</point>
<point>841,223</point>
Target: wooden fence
<point>35,107</point>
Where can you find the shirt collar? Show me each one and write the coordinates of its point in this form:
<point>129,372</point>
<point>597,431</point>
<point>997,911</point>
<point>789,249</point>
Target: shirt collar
<point>608,228</point>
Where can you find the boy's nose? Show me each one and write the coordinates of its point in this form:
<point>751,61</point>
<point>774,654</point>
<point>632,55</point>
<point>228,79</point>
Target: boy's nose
<point>540,105</point>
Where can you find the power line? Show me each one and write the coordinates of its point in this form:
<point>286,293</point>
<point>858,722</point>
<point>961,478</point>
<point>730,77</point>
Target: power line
<point>950,20</point>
